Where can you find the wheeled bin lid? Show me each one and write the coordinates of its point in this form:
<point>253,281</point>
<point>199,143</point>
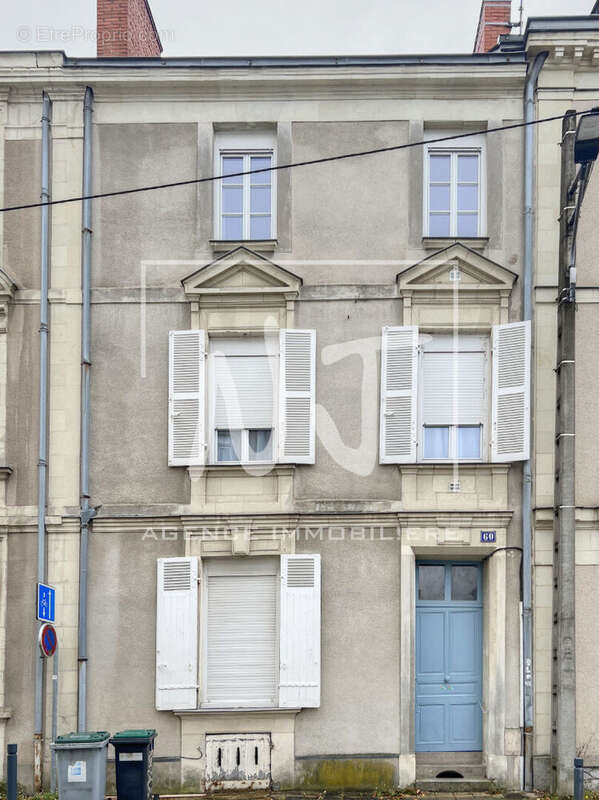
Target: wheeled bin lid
<point>79,739</point>
<point>142,735</point>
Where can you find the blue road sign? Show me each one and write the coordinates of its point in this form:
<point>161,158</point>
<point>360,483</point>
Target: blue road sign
<point>46,603</point>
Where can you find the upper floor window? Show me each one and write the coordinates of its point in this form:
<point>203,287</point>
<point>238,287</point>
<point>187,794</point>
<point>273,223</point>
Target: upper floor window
<point>454,403</point>
<point>243,378</point>
<point>454,189</point>
<point>254,403</point>
<point>245,204</point>
<point>441,399</point>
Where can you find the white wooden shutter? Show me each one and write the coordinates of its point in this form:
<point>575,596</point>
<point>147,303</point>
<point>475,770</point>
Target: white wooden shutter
<point>399,391</point>
<point>241,633</point>
<point>511,392</point>
<point>177,634</point>
<point>297,396</point>
<point>299,660</point>
<point>186,398</point>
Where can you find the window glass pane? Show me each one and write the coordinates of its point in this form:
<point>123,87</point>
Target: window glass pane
<point>438,225</point>
<point>232,199</point>
<point>431,582</point>
<point>232,228</point>
<point>228,445</point>
<point>260,199</point>
<point>232,164</point>
<point>467,197</point>
<point>436,442</point>
<point>439,168</point>
<point>467,224</point>
<point>464,583</point>
<point>260,445</point>
<point>260,162</point>
<point>260,227</point>
<point>439,198</point>
<point>468,168</point>
<point>469,441</point>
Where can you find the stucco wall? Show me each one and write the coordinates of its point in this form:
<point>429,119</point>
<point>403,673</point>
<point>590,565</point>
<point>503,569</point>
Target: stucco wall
<point>129,412</point>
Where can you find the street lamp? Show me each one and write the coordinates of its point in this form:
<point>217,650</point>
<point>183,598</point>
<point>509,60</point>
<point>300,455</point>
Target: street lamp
<point>586,146</point>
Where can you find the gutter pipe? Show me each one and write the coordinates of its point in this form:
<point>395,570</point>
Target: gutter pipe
<point>527,655</point>
<point>42,464</point>
<point>86,514</point>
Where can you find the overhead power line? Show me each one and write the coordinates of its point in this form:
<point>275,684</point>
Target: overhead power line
<point>277,167</point>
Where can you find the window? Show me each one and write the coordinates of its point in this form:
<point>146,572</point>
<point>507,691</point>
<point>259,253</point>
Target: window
<point>437,392</point>
<point>241,609</point>
<point>255,402</point>
<point>454,189</point>
<point>245,204</point>
<point>252,641</point>
<point>454,401</point>
<point>243,382</point>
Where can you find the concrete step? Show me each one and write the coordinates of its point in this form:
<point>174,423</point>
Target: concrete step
<point>445,785</point>
<point>468,771</point>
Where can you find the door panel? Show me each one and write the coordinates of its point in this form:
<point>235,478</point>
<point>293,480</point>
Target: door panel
<point>449,664</point>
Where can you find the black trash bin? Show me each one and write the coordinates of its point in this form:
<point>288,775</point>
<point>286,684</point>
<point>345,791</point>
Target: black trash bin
<point>133,760</point>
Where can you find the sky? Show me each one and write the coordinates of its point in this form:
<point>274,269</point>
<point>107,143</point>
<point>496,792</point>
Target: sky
<point>271,27</point>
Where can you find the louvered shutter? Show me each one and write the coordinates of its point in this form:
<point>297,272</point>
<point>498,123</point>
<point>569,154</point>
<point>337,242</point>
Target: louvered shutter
<point>186,399</point>
<point>399,390</point>
<point>511,392</point>
<point>177,634</point>
<point>297,396</point>
<point>299,659</point>
<point>241,635</point>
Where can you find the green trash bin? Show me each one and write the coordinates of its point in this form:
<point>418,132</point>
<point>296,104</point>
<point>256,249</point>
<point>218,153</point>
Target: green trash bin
<point>133,760</point>
<point>81,765</point>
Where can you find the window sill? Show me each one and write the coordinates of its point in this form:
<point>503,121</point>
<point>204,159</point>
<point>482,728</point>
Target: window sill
<point>442,242</point>
<point>240,710</point>
<point>258,245</point>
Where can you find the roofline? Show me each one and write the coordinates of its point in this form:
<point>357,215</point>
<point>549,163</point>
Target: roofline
<point>589,22</point>
<point>235,62</point>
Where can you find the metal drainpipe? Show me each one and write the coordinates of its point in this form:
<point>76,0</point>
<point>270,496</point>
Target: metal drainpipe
<point>86,514</point>
<point>527,655</point>
<point>42,464</point>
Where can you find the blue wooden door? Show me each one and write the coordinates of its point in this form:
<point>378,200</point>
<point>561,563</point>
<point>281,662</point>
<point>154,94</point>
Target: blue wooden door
<point>449,643</point>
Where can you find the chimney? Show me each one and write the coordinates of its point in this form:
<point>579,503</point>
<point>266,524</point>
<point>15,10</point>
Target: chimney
<point>494,20</point>
<point>126,28</point>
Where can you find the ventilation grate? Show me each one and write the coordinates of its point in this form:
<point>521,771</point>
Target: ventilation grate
<point>450,773</point>
<point>177,576</point>
<point>300,573</point>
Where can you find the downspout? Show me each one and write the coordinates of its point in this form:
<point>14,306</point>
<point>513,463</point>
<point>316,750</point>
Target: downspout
<point>527,654</point>
<point>86,514</point>
<point>42,464</point>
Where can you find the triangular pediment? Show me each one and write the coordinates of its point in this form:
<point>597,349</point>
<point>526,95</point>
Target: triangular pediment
<point>456,264</point>
<point>8,286</point>
<point>242,271</point>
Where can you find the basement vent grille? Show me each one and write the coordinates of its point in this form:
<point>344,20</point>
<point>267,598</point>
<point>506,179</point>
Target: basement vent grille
<point>177,576</point>
<point>300,573</point>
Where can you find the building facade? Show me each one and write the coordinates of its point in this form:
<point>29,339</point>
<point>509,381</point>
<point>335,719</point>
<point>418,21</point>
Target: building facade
<point>308,415</point>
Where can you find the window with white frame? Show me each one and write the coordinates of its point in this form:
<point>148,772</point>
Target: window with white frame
<point>454,403</point>
<point>241,639</point>
<point>245,204</point>
<point>241,399</point>
<point>238,633</point>
<point>243,373</point>
<point>441,399</point>
<point>454,189</point>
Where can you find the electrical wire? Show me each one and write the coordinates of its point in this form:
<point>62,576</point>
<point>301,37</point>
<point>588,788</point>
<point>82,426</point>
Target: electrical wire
<point>277,167</point>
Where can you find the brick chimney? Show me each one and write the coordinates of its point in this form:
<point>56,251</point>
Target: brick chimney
<point>495,16</point>
<point>126,28</point>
